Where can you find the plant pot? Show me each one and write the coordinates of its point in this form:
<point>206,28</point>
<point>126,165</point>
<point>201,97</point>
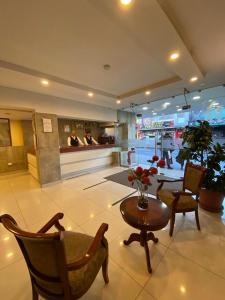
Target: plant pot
<point>211,201</point>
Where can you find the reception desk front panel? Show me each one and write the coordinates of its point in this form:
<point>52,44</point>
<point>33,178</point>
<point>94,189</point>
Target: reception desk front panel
<point>89,159</point>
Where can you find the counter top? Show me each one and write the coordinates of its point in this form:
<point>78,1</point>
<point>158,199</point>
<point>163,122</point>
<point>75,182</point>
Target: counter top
<point>85,148</point>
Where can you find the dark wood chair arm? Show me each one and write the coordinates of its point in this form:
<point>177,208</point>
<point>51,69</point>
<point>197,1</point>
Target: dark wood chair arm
<point>91,251</point>
<point>182,193</point>
<point>53,222</point>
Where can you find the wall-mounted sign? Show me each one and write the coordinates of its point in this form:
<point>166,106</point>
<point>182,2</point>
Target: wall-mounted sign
<point>150,124</point>
<point>47,125</point>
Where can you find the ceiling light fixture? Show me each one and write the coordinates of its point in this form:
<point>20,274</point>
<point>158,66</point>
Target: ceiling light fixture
<point>90,94</point>
<point>145,108</point>
<point>118,101</point>
<point>125,2</point>
<point>193,79</point>
<point>45,82</point>
<point>177,106</point>
<point>147,92</point>
<point>179,109</point>
<point>196,97</point>
<point>154,113</point>
<point>167,103</point>
<point>174,56</point>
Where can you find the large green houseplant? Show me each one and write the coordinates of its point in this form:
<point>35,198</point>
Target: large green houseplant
<point>197,141</point>
<point>213,192</point>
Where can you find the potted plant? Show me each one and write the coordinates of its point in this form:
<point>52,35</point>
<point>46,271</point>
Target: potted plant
<point>141,177</point>
<point>213,191</point>
<point>197,141</point>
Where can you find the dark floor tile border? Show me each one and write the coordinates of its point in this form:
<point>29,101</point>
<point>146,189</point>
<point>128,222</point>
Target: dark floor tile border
<point>118,201</point>
<point>89,187</point>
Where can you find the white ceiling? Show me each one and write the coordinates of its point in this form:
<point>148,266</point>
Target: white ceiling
<point>68,42</point>
<point>202,100</point>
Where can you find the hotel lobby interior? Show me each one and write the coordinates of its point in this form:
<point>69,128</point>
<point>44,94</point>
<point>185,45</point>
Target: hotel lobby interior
<point>112,150</point>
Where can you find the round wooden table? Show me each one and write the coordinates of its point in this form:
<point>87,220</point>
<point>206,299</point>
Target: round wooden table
<point>154,218</point>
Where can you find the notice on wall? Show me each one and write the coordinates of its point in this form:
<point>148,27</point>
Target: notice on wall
<point>47,125</point>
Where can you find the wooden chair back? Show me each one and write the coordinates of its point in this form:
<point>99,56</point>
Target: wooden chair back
<point>45,258</point>
<point>193,178</point>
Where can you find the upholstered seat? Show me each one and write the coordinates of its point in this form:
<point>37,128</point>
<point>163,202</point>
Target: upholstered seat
<point>185,201</point>
<point>76,246</point>
<point>63,264</point>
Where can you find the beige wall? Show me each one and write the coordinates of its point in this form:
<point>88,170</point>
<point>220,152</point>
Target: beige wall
<point>16,133</point>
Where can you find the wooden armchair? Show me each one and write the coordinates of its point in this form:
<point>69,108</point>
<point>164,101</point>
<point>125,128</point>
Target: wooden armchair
<point>64,264</point>
<point>183,201</point>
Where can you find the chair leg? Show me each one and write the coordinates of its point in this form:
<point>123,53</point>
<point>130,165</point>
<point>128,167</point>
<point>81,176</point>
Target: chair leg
<point>172,222</point>
<point>184,213</point>
<point>105,270</point>
<point>197,219</point>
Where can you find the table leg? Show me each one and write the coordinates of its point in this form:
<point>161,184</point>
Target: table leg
<point>144,243</point>
<point>143,238</point>
<point>151,237</point>
<point>147,257</point>
<point>134,237</point>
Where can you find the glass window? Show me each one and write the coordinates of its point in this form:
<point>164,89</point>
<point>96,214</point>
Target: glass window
<point>5,136</point>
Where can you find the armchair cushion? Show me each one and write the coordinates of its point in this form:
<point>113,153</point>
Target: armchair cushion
<point>184,202</point>
<point>76,246</point>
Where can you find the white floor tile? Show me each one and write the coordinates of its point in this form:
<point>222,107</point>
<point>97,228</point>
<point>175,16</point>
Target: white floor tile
<point>178,278</point>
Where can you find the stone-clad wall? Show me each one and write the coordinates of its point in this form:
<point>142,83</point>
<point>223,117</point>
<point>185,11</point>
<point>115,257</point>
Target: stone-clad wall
<point>47,149</point>
<point>12,159</point>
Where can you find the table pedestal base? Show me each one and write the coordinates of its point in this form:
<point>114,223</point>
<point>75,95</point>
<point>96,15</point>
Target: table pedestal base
<point>143,238</point>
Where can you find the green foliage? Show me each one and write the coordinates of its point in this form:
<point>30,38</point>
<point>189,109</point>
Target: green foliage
<point>215,175</point>
<point>198,140</point>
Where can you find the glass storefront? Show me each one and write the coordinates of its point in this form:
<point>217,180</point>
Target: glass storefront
<point>168,116</point>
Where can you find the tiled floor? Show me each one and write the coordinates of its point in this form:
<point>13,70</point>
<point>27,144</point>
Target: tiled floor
<point>191,265</point>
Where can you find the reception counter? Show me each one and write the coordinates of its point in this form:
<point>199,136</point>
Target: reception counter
<point>75,161</point>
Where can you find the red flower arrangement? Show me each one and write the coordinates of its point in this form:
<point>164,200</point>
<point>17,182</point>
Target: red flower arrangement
<point>155,158</point>
<point>159,162</point>
<point>141,177</point>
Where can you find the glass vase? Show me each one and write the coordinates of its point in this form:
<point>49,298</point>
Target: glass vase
<point>142,200</point>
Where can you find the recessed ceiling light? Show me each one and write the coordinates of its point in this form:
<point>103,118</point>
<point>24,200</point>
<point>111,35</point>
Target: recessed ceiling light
<point>45,82</point>
<point>179,109</point>
<point>154,113</point>
<point>90,94</point>
<point>167,103</point>
<point>177,106</point>
<point>174,56</point>
<point>210,100</point>
<point>193,79</point>
<point>215,104</point>
<point>118,101</point>
<point>147,92</point>
<point>196,97</point>
<point>125,2</point>
<point>145,108</point>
